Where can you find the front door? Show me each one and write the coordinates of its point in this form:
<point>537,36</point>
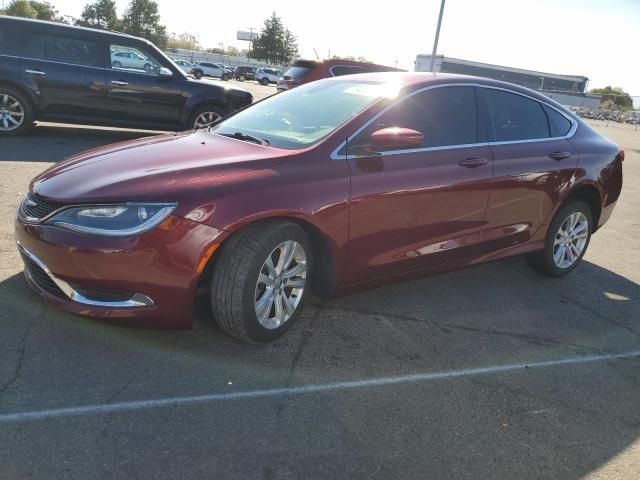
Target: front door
<point>137,94</point>
<point>421,207</point>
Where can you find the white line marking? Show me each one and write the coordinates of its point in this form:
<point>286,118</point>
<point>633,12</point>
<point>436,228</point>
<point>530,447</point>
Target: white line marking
<point>276,392</point>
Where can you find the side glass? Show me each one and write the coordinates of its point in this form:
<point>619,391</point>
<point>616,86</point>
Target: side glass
<point>133,59</point>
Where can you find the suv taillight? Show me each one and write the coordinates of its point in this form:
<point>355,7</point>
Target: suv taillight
<point>621,155</point>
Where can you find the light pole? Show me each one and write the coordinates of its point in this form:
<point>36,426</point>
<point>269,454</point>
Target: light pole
<point>541,83</point>
<point>435,41</point>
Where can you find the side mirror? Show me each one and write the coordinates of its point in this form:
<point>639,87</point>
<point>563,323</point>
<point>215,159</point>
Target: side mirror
<point>165,73</point>
<point>396,138</point>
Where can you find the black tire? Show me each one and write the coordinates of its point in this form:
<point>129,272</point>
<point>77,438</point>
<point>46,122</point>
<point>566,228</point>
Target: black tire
<point>25,107</point>
<point>264,81</point>
<point>198,74</point>
<point>235,277</point>
<point>543,261</point>
<point>200,110</point>
<point>116,64</point>
<point>241,77</point>
<point>225,76</point>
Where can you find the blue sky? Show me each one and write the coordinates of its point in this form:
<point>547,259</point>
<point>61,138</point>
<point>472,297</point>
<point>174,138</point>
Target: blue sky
<point>595,38</point>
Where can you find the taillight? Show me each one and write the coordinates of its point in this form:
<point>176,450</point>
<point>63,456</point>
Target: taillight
<point>621,155</point>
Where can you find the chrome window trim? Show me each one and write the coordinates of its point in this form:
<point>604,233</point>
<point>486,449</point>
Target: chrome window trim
<point>136,300</point>
<point>574,124</point>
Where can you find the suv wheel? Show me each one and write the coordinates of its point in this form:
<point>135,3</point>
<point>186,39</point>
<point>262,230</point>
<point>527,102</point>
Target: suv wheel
<point>566,241</point>
<point>260,280</point>
<point>204,116</point>
<point>198,74</point>
<point>225,76</point>
<point>241,77</point>
<point>16,114</point>
<point>264,81</point>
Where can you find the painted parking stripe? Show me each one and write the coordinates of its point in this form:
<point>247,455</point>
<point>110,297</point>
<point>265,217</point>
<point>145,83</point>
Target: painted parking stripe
<point>105,408</point>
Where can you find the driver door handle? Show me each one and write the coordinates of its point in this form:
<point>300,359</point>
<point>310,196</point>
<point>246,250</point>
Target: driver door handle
<point>36,72</point>
<point>119,83</point>
<point>473,162</point>
<point>559,155</point>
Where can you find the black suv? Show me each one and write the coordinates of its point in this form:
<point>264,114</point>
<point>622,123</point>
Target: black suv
<point>56,72</point>
<point>244,73</point>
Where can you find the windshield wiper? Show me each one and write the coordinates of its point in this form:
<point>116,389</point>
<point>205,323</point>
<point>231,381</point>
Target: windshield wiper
<point>247,138</point>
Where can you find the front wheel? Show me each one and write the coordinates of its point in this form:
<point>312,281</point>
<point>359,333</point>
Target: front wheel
<point>264,81</point>
<point>204,117</point>
<point>260,279</point>
<point>242,78</point>
<point>566,241</point>
<point>198,74</point>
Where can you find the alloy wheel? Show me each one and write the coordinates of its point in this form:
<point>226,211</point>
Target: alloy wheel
<point>11,113</point>
<point>570,240</point>
<point>280,284</point>
<point>205,119</point>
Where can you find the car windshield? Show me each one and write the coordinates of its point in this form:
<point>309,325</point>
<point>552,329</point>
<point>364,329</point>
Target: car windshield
<point>302,116</point>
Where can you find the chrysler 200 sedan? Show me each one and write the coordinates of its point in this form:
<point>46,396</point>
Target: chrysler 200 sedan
<point>337,185</point>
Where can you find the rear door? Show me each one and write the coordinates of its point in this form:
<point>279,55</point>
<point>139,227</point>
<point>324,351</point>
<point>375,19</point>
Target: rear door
<point>533,164</point>
<point>138,95</point>
<point>64,67</point>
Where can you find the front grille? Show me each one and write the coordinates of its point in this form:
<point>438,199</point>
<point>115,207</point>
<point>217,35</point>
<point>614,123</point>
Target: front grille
<point>41,278</point>
<point>34,207</point>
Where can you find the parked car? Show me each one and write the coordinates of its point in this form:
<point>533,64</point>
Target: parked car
<point>337,185</point>
<point>56,72</point>
<point>304,71</point>
<point>243,73</point>
<point>186,67</point>
<point>265,76</point>
<point>208,69</point>
<point>131,60</point>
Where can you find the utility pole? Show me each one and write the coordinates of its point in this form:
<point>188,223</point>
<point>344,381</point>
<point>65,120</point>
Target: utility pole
<point>435,41</point>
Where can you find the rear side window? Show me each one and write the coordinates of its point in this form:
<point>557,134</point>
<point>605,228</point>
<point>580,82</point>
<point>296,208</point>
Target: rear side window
<point>514,117</point>
<point>340,70</point>
<point>445,116</point>
<point>296,73</point>
<point>56,48</point>
<point>8,41</point>
<point>559,124</point>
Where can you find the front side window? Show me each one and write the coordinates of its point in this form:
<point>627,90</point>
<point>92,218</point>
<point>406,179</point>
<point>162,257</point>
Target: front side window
<point>514,117</point>
<point>445,117</point>
<point>132,59</point>
<point>302,116</point>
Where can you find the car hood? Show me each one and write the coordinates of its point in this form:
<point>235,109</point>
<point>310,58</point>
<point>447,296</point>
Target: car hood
<point>164,168</point>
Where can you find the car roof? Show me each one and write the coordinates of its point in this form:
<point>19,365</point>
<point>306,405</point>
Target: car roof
<point>63,26</point>
<point>423,79</point>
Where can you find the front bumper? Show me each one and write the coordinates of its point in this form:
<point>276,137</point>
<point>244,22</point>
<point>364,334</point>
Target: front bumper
<point>148,280</point>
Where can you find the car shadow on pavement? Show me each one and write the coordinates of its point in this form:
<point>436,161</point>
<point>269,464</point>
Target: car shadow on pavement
<point>554,423</point>
<point>54,142</point>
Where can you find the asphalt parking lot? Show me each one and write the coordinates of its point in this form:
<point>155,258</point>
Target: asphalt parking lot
<point>489,372</point>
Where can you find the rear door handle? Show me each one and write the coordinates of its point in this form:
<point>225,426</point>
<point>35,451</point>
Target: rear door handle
<point>559,155</point>
<point>36,72</point>
<point>119,83</point>
<point>473,162</point>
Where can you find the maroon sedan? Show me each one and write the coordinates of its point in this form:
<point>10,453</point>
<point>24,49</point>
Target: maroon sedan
<point>337,185</point>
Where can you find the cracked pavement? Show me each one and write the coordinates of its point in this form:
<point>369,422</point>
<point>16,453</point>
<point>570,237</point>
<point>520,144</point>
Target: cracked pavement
<point>561,422</point>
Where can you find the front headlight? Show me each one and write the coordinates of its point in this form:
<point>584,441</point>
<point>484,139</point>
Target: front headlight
<point>112,220</point>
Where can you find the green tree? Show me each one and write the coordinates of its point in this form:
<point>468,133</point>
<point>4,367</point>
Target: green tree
<point>614,98</point>
<point>233,51</point>
<point>142,19</point>
<point>34,9</point>
<point>21,8</point>
<point>101,14</point>
<point>275,43</point>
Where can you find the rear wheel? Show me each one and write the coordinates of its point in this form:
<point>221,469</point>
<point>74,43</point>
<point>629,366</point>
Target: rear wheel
<point>264,81</point>
<point>16,113</point>
<point>241,77</point>
<point>566,241</point>
<point>198,73</point>
<point>116,64</point>
<point>259,281</point>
